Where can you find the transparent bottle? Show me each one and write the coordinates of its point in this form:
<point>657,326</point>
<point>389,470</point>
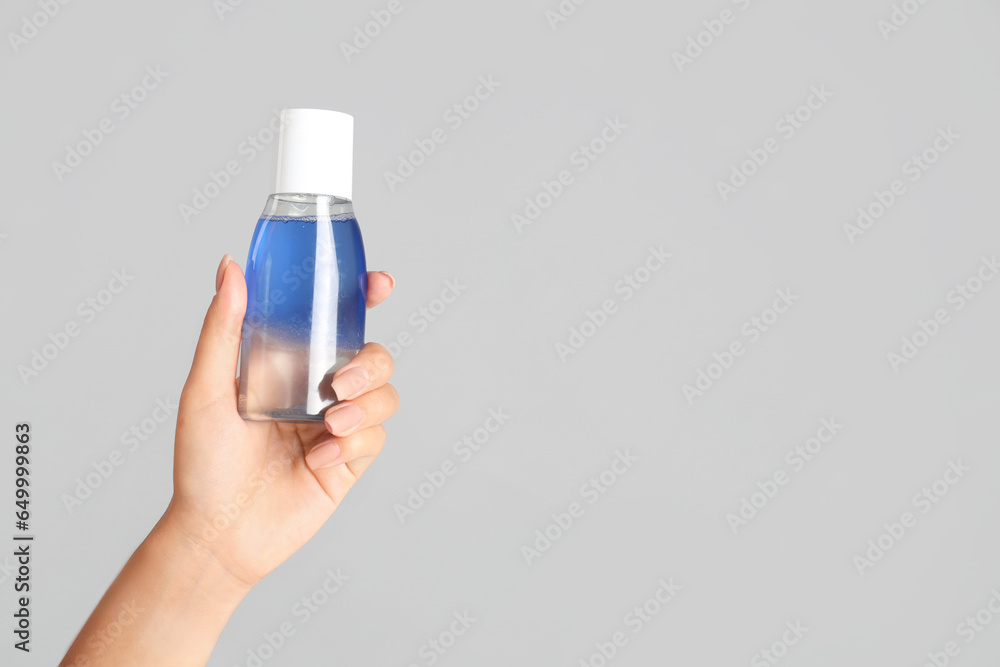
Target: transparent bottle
<point>306,277</point>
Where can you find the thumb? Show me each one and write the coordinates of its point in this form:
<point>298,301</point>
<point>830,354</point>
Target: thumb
<point>213,373</point>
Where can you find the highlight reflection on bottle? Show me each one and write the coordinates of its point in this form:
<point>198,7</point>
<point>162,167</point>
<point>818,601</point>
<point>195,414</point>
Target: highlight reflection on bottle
<point>306,275</point>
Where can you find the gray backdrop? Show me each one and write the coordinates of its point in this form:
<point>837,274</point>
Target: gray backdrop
<point>800,399</point>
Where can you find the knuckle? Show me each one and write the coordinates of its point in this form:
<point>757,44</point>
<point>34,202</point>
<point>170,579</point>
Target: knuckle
<point>382,404</point>
<point>367,442</point>
<point>378,439</point>
<point>381,361</point>
<point>391,400</point>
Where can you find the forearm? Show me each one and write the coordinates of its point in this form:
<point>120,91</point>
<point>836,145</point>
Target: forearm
<point>167,607</point>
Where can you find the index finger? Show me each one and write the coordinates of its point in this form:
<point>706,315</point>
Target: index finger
<point>380,284</point>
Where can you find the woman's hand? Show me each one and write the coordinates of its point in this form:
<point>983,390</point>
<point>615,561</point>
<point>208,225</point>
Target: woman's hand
<point>252,493</point>
<point>247,495</point>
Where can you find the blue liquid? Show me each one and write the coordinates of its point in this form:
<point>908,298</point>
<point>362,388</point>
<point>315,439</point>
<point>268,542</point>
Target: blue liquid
<point>306,289</point>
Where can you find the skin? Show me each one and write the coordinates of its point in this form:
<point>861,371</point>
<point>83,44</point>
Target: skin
<point>247,495</point>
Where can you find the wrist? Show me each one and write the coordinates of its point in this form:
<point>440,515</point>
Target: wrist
<point>208,573</point>
<point>169,604</point>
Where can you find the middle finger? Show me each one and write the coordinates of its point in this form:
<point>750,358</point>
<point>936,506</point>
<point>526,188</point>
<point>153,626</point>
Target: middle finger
<point>366,410</point>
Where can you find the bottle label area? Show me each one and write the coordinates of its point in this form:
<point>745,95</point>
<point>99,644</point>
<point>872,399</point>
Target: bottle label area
<point>306,288</point>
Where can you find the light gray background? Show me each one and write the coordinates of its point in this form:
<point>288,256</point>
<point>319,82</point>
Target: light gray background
<point>496,345</point>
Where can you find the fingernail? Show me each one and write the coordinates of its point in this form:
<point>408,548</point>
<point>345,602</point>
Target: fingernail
<point>388,275</point>
<point>221,273</point>
<point>342,419</point>
<point>350,383</point>
<point>323,455</point>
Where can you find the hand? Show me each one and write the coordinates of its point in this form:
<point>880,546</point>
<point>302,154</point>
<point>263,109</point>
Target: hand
<point>247,495</point>
<point>252,493</point>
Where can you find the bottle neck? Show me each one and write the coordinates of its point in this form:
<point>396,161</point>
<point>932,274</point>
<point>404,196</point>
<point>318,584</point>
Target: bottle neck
<point>299,205</point>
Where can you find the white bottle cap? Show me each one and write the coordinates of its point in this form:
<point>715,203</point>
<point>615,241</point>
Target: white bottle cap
<point>315,153</point>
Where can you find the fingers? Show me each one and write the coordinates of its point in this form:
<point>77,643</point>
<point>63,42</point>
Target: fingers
<point>338,463</point>
<point>214,368</point>
<point>220,273</point>
<point>380,286</point>
<point>369,369</point>
<point>362,412</point>
<point>334,451</point>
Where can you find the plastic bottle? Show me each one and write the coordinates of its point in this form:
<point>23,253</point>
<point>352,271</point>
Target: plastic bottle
<point>306,275</point>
